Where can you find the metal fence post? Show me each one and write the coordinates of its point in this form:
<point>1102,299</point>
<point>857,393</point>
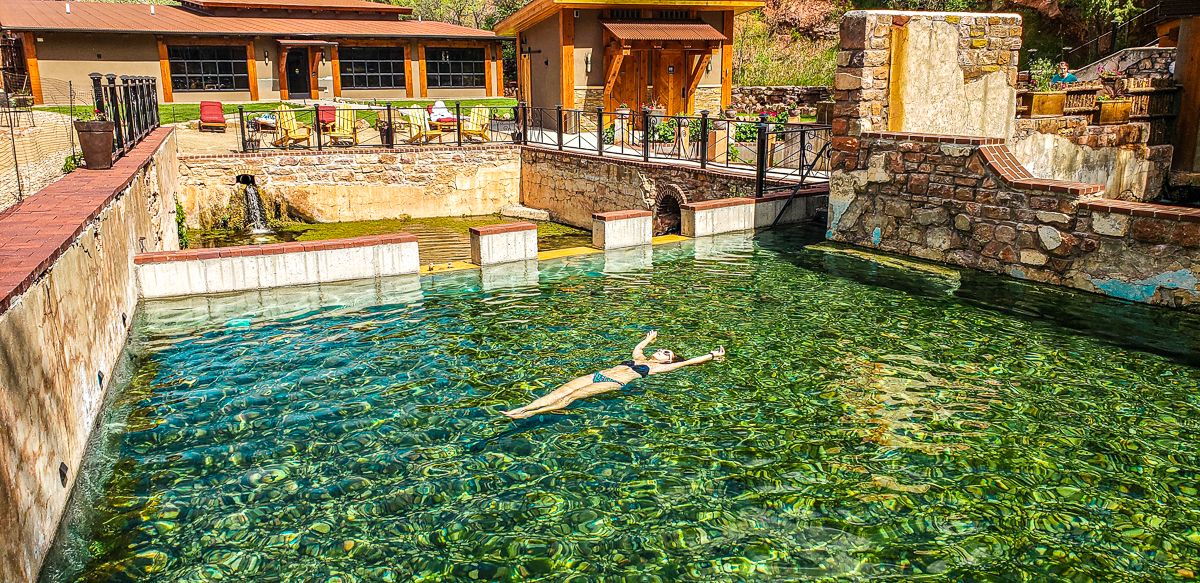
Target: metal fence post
<point>560,125</point>
<point>645,134</point>
<point>242,125</point>
<point>115,111</point>
<point>97,93</point>
<point>154,101</point>
<point>71,134</point>
<point>761,162</point>
<point>703,138</point>
<point>390,140</point>
<point>524,108</point>
<point>600,130</point>
<point>317,124</point>
<point>458,123</point>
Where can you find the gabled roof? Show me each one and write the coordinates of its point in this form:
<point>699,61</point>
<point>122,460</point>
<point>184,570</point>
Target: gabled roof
<point>51,15</point>
<point>538,10</point>
<point>332,5</point>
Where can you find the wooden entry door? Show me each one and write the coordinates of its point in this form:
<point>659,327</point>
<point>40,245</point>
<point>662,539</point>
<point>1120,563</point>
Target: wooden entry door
<point>670,81</point>
<point>630,87</point>
<point>298,75</point>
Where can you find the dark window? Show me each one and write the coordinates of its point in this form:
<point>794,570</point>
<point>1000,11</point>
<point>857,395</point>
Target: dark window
<point>205,68</point>
<point>626,14</point>
<point>372,67</point>
<point>455,67</point>
<point>673,14</point>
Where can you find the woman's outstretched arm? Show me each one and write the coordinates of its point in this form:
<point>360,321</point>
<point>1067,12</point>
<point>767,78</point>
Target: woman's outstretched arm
<point>637,350</point>
<point>718,354</point>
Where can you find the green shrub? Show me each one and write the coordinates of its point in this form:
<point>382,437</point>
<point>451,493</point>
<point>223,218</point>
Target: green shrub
<point>181,225</point>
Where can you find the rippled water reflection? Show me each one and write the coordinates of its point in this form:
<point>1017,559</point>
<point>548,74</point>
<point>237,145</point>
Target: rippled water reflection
<point>869,424</point>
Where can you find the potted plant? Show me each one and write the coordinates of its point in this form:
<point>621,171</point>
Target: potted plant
<point>1111,78</point>
<point>1112,110</point>
<point>22,99</point>
<point>503,122</point>
<point>657,112</point>
<point>95,139</point>
<point>1045,99</point>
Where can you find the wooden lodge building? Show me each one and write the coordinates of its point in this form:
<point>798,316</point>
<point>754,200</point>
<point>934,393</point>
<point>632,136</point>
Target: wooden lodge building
<point>250,50</point>
<point>673,53</point>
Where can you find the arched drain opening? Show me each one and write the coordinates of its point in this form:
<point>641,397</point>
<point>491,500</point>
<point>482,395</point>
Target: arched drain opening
<point>667,216</point>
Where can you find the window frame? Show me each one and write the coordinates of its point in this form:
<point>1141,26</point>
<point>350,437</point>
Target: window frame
<point>441,73</point>
<point>372,58</point>
<point>200,68</point>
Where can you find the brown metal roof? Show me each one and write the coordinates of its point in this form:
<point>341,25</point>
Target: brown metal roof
<point>343,5</point>
<point>48,15</point>
<point>662,30</point>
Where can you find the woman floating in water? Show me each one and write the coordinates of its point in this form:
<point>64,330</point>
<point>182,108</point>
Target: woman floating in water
<point>613,378</point>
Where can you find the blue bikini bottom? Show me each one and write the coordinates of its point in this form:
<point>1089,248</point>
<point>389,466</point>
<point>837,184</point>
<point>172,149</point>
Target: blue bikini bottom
<point>600,378</point>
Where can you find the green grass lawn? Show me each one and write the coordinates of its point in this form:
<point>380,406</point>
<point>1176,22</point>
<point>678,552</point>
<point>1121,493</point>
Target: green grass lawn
<point>177,112</point>
<point>465,103</point>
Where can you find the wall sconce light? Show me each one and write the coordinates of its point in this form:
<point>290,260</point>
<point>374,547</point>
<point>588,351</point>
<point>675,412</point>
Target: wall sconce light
<point>587,62</point>
<point>708,67</point>
<point>265,55</point>
<point>576,14</point>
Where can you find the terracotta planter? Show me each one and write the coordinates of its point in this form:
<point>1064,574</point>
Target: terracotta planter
<point>1042,103</point>
<point>96,142</point>
<point>1113,111</point>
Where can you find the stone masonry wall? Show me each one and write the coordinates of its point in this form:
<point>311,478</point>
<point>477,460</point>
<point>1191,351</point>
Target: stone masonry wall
<point>67,300</point>
<point>573,186</point>
<point>972,204</point>
<point>755,99</point>
<point>1117,156</point>
<point>356,185</point>
<point>953,73</point>
<point>1148,62</point>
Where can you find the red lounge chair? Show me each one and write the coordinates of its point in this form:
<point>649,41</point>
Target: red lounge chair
<point>212,118</point>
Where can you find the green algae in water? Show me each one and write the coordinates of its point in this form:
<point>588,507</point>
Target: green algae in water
<point>869,424</point>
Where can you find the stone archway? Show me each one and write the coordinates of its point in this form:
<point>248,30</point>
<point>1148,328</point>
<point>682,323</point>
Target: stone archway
<point>667,214</point>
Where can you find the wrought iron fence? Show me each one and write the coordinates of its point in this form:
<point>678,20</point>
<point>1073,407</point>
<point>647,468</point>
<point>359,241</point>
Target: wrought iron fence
<point>132,106</point>
<point>778,152</point>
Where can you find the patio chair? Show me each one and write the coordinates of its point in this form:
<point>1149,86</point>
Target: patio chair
<point>344,131</point>
<point>476,124</point>
<point>327,114</point>
<point>212,117</point>
<point>289,130</point>
<point>419,126</point>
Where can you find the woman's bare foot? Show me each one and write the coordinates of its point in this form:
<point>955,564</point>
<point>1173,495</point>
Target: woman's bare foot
<point>516,414</point>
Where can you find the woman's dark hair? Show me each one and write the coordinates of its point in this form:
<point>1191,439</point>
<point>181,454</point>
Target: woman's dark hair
<point>676,357</point>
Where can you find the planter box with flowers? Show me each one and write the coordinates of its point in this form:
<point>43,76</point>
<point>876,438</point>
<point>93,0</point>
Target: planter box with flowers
<point>1112,111</point>
<point>1044,98</point>
<point>95,140</point>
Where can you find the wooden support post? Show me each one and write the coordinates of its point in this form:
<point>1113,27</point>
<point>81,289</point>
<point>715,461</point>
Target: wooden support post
<point>566,25</point>
<point>489,61</point>
<point>31,66</point>
<point>422,79</point>
<point>314,85</point>
<point>281,63</point>
<point>251,69</point>
<point>410,59</point>
<point>693,82</point>
<point>336,62</point>
<point>164,65</point>
<point>727,61</point>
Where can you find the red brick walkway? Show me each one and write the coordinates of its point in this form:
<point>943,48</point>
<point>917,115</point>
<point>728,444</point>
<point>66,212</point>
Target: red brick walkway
<point>35,232</point>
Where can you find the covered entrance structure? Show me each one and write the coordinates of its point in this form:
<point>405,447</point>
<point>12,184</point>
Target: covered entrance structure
<point>675,54</point>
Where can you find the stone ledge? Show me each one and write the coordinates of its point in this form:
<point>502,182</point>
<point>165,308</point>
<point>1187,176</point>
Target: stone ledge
<point>35,232</point>
<point>1001,161</point>
<point>1143,209</point>
<point>621,215</point>
<point>505,228</point>
<point>933,138</point>
<point>715,204</point>
<point>815,191</point>
<point>271,248</point>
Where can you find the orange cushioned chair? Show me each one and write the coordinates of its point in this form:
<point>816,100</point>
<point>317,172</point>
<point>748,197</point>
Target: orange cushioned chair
<point>212,118</point>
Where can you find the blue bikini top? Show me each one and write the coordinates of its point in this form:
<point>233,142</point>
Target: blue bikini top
<point>642,369</point>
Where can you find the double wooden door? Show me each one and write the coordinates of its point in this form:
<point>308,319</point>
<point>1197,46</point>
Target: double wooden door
<point>648,78</point>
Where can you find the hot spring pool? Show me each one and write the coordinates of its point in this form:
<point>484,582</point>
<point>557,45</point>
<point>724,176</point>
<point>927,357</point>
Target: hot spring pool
<point>870,423</point>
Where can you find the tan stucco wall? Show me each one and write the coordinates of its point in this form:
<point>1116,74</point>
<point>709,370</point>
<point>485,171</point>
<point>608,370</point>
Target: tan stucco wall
<point>1127,172</point>
<point>544,72</point>
<point>929,93</point>
<point>71,57</point>
<point>54,340</point>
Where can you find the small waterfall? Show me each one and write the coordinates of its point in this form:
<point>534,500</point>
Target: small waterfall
<point>255,215</point>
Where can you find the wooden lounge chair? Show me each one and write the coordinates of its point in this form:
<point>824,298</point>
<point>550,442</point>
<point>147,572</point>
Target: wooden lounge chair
<point>212,117</point>
<point>344,131</point>
<point>476,124</point>
<point>419,124</point>
<point>289,131</point>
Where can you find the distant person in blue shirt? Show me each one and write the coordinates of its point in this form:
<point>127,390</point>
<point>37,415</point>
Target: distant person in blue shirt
<point>1064,75</point>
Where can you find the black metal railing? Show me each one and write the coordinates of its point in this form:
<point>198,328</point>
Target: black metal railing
<point>778,153</point>
<point>1135,32</point>
<point>131,104</point>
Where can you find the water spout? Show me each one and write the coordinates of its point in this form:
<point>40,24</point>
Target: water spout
<point>255,215</point>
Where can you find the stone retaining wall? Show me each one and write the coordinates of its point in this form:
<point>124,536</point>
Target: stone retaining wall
<point>356,185</point>
<point>67,299</point>
<point>1118,156</point>
<point>969,202</point>
<point>755,99</point>
<point>1151,62</point>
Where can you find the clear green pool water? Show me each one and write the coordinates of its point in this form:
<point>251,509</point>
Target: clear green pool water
<point>871,423</point>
